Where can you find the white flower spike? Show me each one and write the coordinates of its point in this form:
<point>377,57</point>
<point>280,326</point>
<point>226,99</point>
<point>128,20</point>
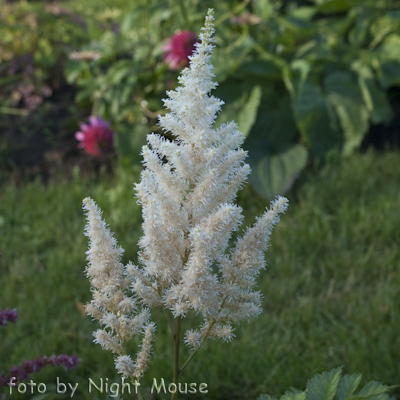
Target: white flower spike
<point>189,217</point>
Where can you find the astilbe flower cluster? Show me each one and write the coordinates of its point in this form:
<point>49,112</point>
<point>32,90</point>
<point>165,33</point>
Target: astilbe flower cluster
<point>179,48</point>
<point>97,137</point>
<point>185,263</point>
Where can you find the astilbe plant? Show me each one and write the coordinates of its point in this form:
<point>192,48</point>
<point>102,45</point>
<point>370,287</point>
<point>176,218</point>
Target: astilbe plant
<point>96,138</point>
<point>184,263</point>
<point>178,49</point>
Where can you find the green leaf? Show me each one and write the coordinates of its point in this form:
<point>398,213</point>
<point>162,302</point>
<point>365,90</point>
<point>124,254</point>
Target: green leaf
<point>73,69</point>
<point>261,68</point>
<point>274,128</point>
<point>305,12</point>
<point>363,18</point>
<point>326,385</point>
<point>316,119</point>
<point>374,97</point>
<point>117,72</point>
<point>348,385</point>
<point>240,104</point>
<point>248,114</point>
<point>344,93</point>
<point>273,63</point>
<point>294,395</point>
<point>274,174</point>
<point>323,386</point>
<point>263,8</point>
<point>335,6</point>
<point>372,389</point>
<point>382,26</point>
<point>299,71</point>
<point>389,58</point>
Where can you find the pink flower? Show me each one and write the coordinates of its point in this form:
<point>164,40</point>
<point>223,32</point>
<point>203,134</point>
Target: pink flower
<point>97,137</point>
<point>179,48</point>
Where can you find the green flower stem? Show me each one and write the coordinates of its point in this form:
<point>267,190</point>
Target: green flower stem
<point>171,325</point>
<point>139,395</point>
<point>176,357</point>
<point>196,350</point>
<point>189,359</point>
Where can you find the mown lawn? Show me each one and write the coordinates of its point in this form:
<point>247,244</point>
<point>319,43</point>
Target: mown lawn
<point>331,289</point>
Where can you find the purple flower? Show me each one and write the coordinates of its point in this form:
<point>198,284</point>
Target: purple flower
<point>8,315</point>
<point>179,48</point>
<point>35,365</point>
<point>96,138</point>
<point>67,361</point>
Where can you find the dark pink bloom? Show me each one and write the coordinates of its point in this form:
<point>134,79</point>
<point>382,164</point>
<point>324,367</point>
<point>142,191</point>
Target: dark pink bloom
<point>179,48</point>
<point>8,315</point>
<point>96,138</point>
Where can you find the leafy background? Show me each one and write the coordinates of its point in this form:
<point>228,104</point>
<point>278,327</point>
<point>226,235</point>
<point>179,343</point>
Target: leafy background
<point>302,78</point>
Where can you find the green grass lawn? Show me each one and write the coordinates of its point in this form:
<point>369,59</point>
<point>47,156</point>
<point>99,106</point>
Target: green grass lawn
<point>331,289</point>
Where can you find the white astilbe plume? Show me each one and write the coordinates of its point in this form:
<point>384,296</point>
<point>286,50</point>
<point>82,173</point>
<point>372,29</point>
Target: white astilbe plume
<point>187,189</point>
<point>143,356</point>
<point>110,304</point>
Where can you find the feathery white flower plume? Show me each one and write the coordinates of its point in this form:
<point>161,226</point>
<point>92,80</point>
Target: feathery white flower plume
<point>186,191</point>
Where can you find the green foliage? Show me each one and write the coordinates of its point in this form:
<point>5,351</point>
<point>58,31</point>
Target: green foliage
<point>34,43</point>
<point>330,386</point>
<point>335,59</point>
<point>301,78</point>
<point>127,82</point>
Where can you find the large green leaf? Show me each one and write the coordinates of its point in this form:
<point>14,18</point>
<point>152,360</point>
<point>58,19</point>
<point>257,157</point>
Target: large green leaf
<point>248,113</point>
<point>382,26</point>
<point>335,6</point>
<point>300,70</point>
<point>274,128</point>
<point>372,389</point>
<point>274,174</point>
<point>343,91</point>
<point>241,105</point>
<point>275,162</point>
<point>363,18</point>
<point>227,60</point>
<point>305,12</point>
<point>269,69</point>
<point>294,395</point>
<point>316,119</point>
<point>374,97</point>
<point>323,386</point>
<point>348,385</point>
<point>263,8</point>
<point>389,58</point>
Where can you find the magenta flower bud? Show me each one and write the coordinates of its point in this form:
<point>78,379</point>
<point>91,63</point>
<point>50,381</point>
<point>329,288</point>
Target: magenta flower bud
<point>96,138</point>
<point>179,48</point>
